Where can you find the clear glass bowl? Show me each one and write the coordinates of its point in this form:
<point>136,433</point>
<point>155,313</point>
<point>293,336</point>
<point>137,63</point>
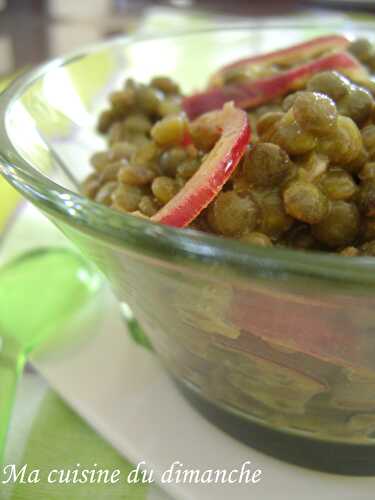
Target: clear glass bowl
<point>277,339</point>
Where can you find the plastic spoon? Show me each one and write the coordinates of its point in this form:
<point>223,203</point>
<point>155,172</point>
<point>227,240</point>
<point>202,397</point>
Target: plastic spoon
<point>39,292</point>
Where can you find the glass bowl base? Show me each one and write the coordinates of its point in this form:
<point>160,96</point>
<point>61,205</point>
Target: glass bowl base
<point>333,457</point>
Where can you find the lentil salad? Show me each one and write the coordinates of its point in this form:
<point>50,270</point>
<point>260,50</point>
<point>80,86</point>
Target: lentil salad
<point>304,175</point>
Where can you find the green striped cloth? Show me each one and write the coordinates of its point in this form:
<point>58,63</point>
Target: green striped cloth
<point>59,439</point>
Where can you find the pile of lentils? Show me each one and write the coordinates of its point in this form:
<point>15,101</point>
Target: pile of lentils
<point>307,180</point>
<point>146,162</point>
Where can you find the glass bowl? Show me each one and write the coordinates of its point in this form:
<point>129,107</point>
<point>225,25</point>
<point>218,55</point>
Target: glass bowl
<point>276,346</point>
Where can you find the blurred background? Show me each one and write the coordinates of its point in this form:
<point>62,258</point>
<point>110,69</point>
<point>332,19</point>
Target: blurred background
<point>33,30</point>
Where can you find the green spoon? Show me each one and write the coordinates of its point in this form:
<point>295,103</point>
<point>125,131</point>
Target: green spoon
<point>39,292</point>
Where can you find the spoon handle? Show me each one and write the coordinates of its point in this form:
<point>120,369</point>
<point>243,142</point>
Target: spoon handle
<point>12,361</point>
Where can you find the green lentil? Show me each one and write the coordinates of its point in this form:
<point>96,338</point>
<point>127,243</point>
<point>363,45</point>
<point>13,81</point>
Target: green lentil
<point>122,101</point>
<point>290,136</point>
<point>315,113</point>
<point>91,185</point>
<point>265,165</point>
<point>149,99</point>
<point>350,252</point>
<point>337,184</point>
<point>344,144</point>
<point>135,175</point>
<point>106,119</point>
<point>368,171</point>
<point>368,249</point>
<point>126,198</point>
<point>340,227</point>
<point>267,125</point>
<point>331,83</point>
<point>171,158</point>
<point>137,123</point>
<point>255,238</point>
<point>188,168</point>
<point>357,104</point>
<point>165,84</point>
<point>361,48</point>
<point>366,197</point>
<point>274,220</point>
<point>169,131</point>
<point>368,137</point>
<point>232,214</point>
<point>289,100</point>
<point>110,172</point>
<point>164,188</point>
<point>148,206</point>
<point>305,202</point>
<point>116,133</point>
<point>204,133</point>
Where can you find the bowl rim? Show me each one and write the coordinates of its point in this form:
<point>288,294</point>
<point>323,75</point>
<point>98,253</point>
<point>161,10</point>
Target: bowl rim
<point>149,238</point>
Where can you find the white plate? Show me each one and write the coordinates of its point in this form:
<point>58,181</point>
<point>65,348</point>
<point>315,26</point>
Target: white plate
<point>123,392</point>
